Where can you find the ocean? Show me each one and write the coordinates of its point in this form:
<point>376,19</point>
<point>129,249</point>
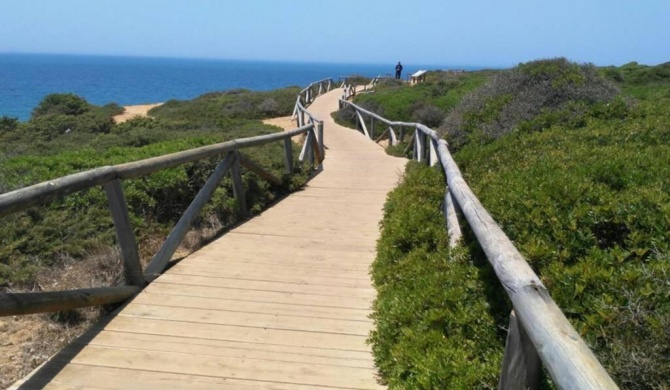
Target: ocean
<point>26,78</point>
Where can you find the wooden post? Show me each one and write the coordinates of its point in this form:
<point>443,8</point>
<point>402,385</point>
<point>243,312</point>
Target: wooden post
<point>393,140</point>
<point>305,148</point>
<point>433,152</point>
<point>310,147</point>
<point>132,269</point>
<point>316,149</point>
<point>401,134</point>
<point>288,156</point>
<point>372,127</point>
<point>322,145</point>
<point>238,188</point>
<point>161,259</point>
<point>521,364</point>
<point>362,123</point>
<point>420,151</point>
<point>453,227</point>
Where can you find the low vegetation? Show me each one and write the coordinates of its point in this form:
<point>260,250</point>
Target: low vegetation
<point>578,182</point>
<point>438,313</point>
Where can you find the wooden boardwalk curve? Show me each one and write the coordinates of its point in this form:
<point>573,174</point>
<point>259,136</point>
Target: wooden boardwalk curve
<point>281,302</point>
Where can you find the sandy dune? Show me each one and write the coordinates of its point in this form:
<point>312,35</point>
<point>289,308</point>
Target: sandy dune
<point>131,112</point>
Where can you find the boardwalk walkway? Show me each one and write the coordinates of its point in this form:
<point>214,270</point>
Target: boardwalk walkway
<point>281,302</point>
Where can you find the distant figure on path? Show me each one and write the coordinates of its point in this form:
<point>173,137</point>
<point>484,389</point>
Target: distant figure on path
<point>398,70</point>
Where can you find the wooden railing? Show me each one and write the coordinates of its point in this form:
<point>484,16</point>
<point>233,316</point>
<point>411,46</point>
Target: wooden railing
<point>538,329</point>
<point>110,177</point>
<point>309,93</point>
<point>349,89</point>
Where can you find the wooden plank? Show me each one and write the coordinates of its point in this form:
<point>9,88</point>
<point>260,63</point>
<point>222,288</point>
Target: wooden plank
<point>83,376</point>
<point>251,320</point>
<point>160,260</point>
<point>291,338</point>
<point>218,303</point>
<point>150,342</point>
<point>277,268</point>
<point>224,367</point>
<point>251,295</point>
<point>132,269</point>
<point>269,274</point>
<point>12,304</point>
<point>201,280</point>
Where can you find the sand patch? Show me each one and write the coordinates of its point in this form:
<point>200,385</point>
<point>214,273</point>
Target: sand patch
<point>139,110</point>
<point>286,123</point>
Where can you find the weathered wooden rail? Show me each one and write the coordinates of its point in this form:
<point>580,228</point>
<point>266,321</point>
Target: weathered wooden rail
<point>110,177</point>
<point>538,328</point>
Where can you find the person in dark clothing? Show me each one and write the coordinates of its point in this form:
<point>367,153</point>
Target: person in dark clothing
<point>398,70</point>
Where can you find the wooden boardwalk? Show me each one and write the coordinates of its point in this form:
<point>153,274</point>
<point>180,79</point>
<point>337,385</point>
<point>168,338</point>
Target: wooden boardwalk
<point>281,302</point>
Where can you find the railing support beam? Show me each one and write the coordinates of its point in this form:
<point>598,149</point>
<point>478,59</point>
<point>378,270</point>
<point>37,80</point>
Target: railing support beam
<point>132,269</point>
<point>161,259</point>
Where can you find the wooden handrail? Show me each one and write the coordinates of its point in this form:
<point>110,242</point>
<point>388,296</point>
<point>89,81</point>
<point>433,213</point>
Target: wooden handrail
<point>570,362</point>
<point>23,198</point>
<point>12,304</point>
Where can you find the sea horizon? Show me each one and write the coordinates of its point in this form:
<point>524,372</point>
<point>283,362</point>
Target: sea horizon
<point>26,78</point>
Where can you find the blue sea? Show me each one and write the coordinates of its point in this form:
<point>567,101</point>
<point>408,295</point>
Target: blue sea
<point>26,78</point>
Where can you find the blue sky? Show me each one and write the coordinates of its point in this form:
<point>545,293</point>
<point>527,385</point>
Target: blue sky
<point>441,32</point>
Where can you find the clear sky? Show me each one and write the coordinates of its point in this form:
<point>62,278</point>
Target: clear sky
<point>445,32</point>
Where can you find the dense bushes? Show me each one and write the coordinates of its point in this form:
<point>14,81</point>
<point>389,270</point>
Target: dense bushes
<point>61,104</point>
<point>582,192</point>
<point>210,108</point>
<point>590,210</point>
<point>441,91</point>
<point>545,88</point>
<point>438,312</point>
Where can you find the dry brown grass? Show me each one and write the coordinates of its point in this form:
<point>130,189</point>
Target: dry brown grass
<point>28,341</point>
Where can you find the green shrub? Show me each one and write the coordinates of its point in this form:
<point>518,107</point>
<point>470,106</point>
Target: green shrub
<point>212,107</point>
<point>520,95</point>
<point>442,90</point>
<point>437,312</point>
<point>589,209</point>
<point>61,104</point>
<point>8,124</point>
